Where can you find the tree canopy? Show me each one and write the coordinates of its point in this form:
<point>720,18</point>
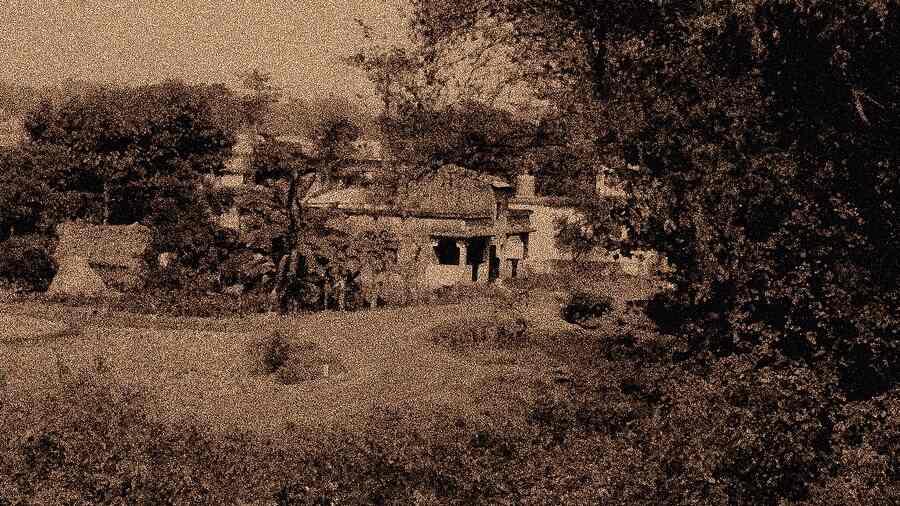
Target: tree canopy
<point>764,137</point>
<point>130,146</point>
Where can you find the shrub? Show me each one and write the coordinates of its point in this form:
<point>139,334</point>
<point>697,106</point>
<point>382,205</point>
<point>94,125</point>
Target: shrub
<point>26,262</point>
<point>473,333</point>
<point>619,432</point>
<point>291,362</point>
<point>246,268</point>
<point>543,281</point>
<point>585,308</point>
<point>271,352</point>
<point>191,303</point>
<point>463,293</point>
<point>308,361</point>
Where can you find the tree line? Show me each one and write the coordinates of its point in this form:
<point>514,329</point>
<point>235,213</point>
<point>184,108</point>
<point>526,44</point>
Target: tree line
<point>151,154</point>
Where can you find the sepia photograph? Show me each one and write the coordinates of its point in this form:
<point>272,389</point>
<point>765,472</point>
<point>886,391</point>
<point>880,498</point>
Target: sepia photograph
<point>449,252</point>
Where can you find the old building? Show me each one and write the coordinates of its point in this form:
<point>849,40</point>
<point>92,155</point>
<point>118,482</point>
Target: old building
<point>455,226</point>
<point>547,212</point>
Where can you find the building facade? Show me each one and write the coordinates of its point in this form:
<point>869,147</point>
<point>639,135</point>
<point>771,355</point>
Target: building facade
<point>455,226</point>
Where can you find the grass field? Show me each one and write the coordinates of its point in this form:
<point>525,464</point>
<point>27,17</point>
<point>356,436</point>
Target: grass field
<point>200,369</point>
<point>415,419</point>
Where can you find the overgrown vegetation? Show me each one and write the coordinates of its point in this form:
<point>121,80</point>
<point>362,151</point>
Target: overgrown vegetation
<point>755,140</point>
<point>616,420</point>
<point>292,362</point>
<point>26,264</point>
<point>584,308</point>
<point>470,334</point>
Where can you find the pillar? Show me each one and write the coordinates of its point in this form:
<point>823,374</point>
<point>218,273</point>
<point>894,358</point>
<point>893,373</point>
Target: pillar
<point>463,251</point>
<point>485,266</point>
<point>432,253</point>
<point>464,275</point>
<point>505,267</point>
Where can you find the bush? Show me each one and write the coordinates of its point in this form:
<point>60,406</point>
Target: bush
<point>192,303</point>
<point>26,262</point>
<point>291,362</point>
<point>464,293</point>
<point>620,432</point>
<point>585,308</point>
<point>308,361</point>
<point>473,333</point>
<point>270,353</point>
<point>543,281</point>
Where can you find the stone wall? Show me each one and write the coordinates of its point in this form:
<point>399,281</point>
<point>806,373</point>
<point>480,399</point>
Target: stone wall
<point>544,255</point>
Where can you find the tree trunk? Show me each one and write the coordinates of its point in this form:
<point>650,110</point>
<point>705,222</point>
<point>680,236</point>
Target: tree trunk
<point>277,294</point>
<point>290,259</point>
<point>342,295</point>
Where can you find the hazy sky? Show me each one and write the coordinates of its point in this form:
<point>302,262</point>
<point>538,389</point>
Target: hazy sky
<point>138,41</point>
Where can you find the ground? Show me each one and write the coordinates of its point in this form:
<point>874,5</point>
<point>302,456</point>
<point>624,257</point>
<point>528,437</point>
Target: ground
<point>200,369</point>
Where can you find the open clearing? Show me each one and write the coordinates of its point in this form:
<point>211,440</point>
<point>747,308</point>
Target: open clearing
<point>200,371</point>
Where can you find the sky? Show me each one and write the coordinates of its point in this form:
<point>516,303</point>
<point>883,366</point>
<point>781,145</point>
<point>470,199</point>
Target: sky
<point>139,41</point>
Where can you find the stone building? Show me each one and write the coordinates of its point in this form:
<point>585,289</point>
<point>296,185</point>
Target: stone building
<point>455,226</point>
<point>546,212</point>
<point>96,259</point>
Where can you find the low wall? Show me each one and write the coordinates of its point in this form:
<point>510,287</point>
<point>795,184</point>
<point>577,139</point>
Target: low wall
<point>437,276</point>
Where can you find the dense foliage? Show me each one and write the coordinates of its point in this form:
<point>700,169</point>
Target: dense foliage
<point>584,308</point>
<point>122,155</point>
<point>611,419</point>
<point>26,264</point>
<point>132,151</point>
<point>757,142</point>
<point>27,177</point>
<point>761,142</point>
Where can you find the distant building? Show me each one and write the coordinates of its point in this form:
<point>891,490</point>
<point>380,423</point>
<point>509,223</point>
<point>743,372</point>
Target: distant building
<point>238,169</point>
<point>94,259</point>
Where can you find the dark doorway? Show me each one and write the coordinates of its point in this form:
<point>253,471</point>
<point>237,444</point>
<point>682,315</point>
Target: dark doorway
<point>477,248</point>
<point>446,251</point>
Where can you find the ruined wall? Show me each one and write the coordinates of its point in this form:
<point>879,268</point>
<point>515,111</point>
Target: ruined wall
<point>544,256</point>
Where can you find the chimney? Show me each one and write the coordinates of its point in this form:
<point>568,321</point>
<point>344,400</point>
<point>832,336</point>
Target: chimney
<point>525,185</point>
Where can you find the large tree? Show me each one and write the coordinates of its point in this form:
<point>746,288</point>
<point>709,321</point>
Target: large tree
<point>28,182</point>
<point>277,222</point>
<point>136,154</point>
<point>446,105</point>
<point>257,105</point>
<point>130,146</point>
<point>764,133</point>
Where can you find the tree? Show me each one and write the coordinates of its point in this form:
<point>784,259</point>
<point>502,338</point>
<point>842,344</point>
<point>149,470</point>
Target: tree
<point>757,142</point>
<point>432,117</point>
<point>26,188</point>
<point>287,173</point>
<point>764,135</point>
<point>333,137</point>
<point>122,155</point>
